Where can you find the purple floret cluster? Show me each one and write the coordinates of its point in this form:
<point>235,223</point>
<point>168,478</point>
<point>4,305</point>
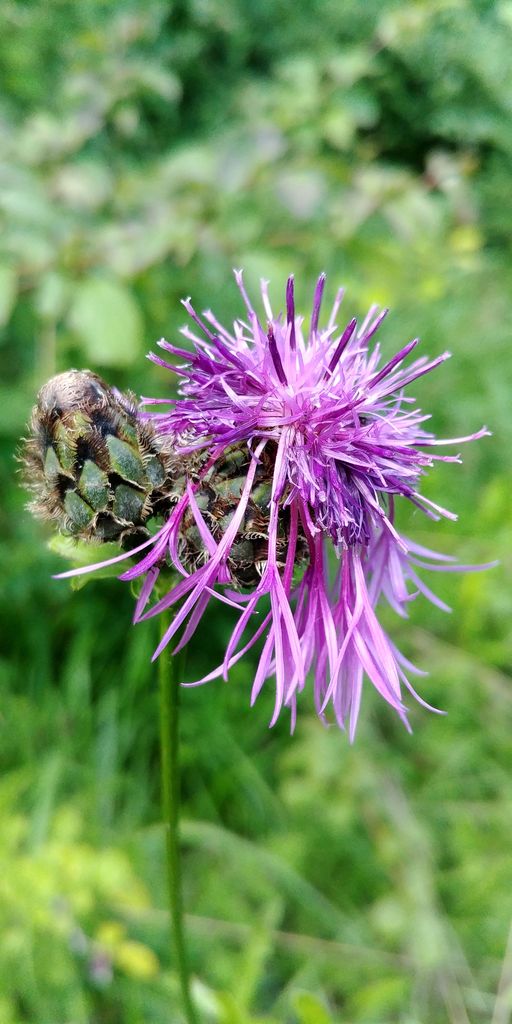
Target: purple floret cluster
<point>346,440</point>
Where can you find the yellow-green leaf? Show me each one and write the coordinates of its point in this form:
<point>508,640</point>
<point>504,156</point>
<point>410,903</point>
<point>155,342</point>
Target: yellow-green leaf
<point>107,320</point>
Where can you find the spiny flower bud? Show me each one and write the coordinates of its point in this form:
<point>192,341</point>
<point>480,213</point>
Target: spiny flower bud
<point>91,464</point>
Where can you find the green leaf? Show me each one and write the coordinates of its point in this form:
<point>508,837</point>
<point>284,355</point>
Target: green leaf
<point>107,320</point>
<point>310,1009</point>
<point>8,292</point>
<point>81,553</point>
<point>51,296</point>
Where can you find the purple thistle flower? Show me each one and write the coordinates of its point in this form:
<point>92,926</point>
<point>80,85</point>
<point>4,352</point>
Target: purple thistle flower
<point>333,434</point>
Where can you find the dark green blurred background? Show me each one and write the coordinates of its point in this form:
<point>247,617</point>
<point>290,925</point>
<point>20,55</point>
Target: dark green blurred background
<point>146,149</point>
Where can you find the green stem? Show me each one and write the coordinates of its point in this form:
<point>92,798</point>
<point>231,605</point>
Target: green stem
<point>169,675</point>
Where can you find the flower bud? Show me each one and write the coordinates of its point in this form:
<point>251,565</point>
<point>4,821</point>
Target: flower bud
<point>92,465</point>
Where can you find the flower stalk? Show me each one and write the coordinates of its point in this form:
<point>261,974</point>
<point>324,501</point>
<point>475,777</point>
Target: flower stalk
<point>169,673</point>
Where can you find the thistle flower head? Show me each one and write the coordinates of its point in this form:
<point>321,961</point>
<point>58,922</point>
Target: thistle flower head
<point>345,435</point>
<point>295,439</point>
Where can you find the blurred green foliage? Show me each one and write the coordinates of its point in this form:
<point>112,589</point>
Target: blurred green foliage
<point>146,149</point>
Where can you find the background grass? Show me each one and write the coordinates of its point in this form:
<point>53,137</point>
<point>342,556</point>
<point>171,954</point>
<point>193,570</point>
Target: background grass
<point>147,148</point>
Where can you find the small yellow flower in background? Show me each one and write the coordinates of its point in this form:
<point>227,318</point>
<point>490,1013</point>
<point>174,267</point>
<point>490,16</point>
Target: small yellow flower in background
<point>136,960</point>
<point>128,955</point>
<point>466,239</point>
<point>110,934</point>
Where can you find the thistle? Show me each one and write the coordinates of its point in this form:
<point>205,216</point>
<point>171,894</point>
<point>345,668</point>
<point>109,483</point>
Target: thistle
<point>283,444</point>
